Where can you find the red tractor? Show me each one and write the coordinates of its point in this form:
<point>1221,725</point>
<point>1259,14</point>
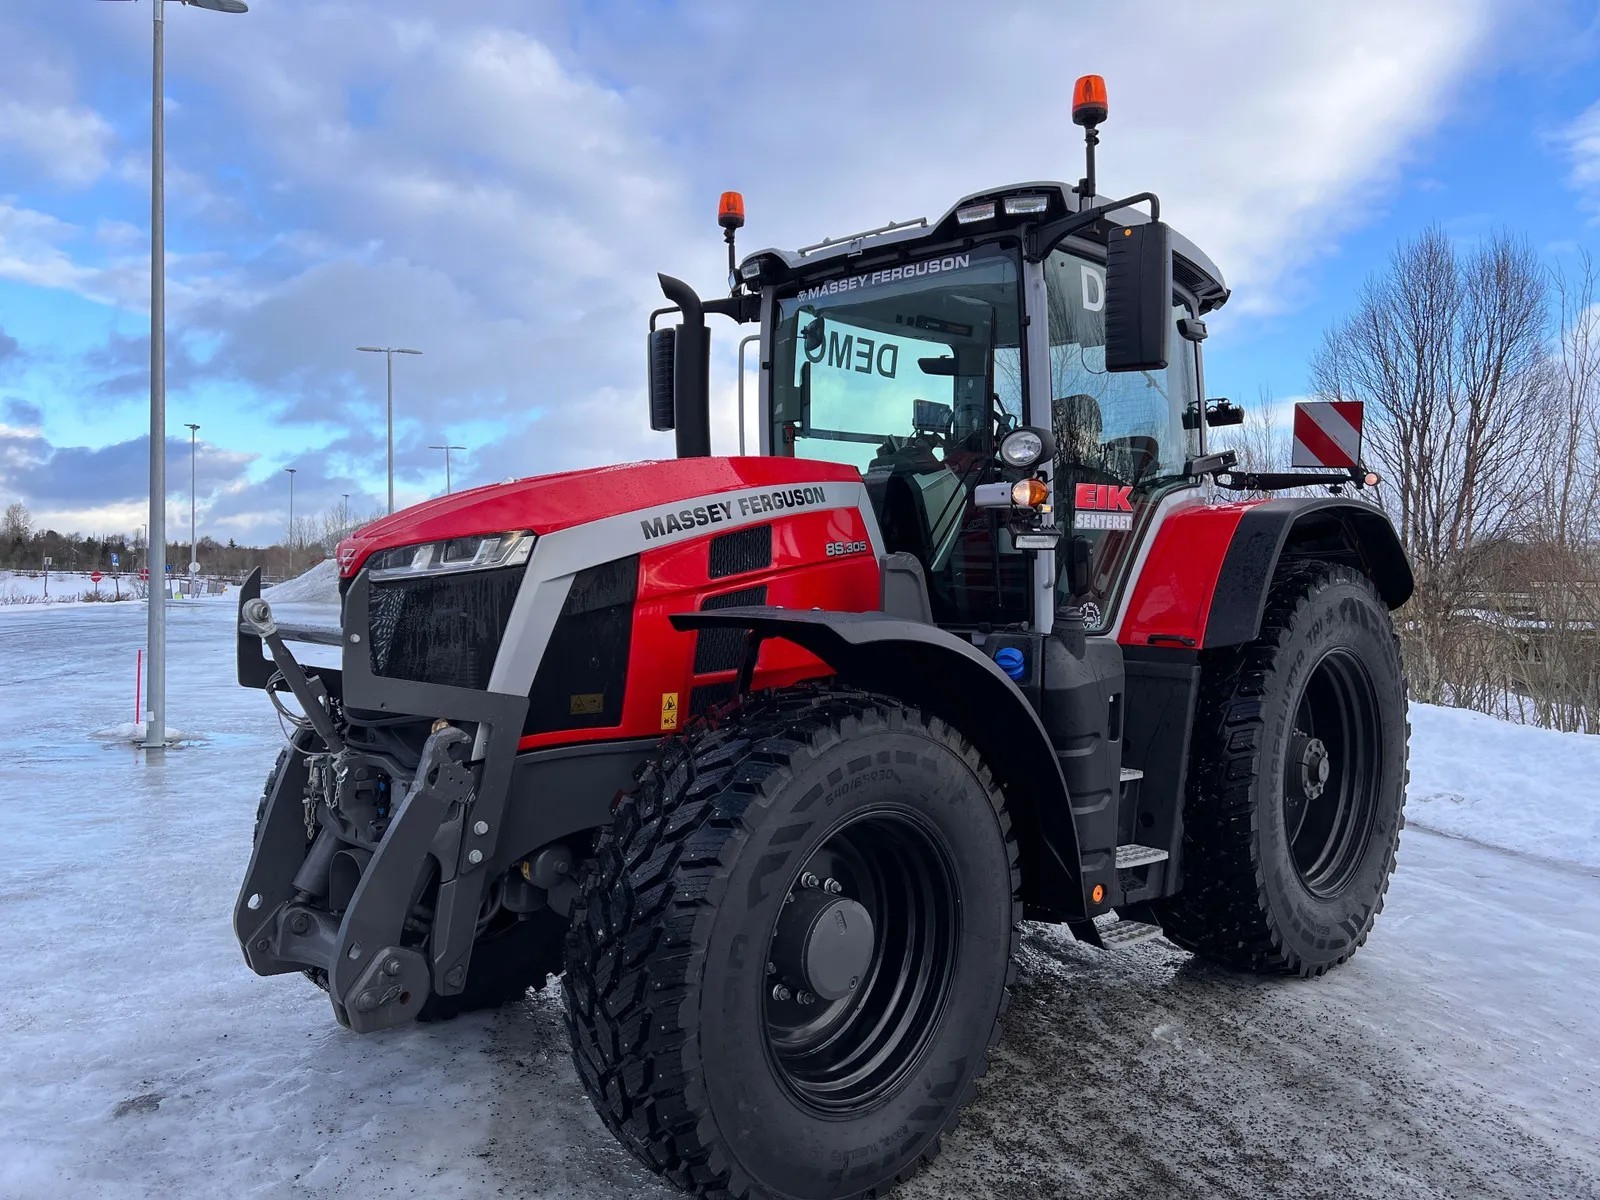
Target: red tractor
<point>773,755</point>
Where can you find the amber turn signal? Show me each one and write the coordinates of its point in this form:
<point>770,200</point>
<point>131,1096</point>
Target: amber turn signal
<point>1098,894</point>
<point>1089,100</point>
<point>1029,493</point>
<point>730,211</point>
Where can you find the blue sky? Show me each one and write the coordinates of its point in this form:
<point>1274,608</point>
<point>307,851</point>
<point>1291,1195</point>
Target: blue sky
<point>497,184</point>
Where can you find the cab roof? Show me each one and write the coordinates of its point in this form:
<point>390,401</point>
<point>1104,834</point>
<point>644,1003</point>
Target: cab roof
<point>1192,269</point>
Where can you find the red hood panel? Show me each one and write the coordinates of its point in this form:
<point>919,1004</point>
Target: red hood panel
<point>546,503</point>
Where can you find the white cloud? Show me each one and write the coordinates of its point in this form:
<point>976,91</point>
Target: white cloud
<point>1582,143</point>
<point>69,143</point>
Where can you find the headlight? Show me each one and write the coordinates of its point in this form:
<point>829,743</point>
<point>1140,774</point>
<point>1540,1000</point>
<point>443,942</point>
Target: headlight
<point>477,553</point>
<point>1026,447</point>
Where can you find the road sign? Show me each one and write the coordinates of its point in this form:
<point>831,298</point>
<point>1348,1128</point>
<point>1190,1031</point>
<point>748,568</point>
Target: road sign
<point>95,577</point>
<point>1327,433</point>
<point>115,561</point>
<point>194,568</point>
<point>49,562</point>
<point>169,568</point>
<point>144,572</point>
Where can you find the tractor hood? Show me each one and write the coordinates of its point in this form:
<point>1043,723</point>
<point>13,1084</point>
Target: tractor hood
<point>546,503</point>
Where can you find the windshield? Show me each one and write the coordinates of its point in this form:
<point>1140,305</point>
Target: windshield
<point>928,349</point>
<point>911,373</point>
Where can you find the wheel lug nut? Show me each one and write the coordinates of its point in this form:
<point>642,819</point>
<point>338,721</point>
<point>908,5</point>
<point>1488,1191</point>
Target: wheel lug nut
<point>833,886</point>
<point>779,992</point>
<point>806,998</point>
<point>809,880</point>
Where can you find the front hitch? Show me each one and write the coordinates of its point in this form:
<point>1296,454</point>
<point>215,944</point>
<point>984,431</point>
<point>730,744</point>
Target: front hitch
<point>373,980</point>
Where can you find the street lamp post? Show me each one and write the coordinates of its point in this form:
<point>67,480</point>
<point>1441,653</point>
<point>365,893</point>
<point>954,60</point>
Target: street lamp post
<point>155,733</point>
<point>194,547</point>
<point>289,471</point>
<point>388,353</point>
<point>447,450</point>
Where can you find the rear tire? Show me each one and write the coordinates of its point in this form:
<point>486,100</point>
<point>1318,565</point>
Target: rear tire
<point>508,958</point>
<point>685,1041</point>
<point>1297,782</point>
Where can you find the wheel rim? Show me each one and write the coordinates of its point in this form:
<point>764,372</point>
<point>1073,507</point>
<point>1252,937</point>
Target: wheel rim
<point>1331,773</point>
<point>842,1053</point>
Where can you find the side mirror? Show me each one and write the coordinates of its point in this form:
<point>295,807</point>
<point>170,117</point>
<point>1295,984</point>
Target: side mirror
<point>1219,411</point>
<point>663,347</point>
<point>1138,297</point>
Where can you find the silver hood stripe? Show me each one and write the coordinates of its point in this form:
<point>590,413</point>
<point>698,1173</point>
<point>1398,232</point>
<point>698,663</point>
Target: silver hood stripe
<point>559,556</point>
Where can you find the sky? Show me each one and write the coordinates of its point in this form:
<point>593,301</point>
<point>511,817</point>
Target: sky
<point>497,183</point>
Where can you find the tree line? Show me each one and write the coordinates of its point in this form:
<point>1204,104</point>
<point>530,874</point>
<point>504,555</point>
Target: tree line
<point>24,547</point>
<point>1479,367</point>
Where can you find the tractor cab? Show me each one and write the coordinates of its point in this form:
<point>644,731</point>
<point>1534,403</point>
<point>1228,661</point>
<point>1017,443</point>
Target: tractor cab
<point>1018,383</point>
<point>914,353</point>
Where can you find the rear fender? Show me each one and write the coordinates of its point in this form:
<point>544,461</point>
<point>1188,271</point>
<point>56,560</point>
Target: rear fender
<point>1207,577</point>
<point>947,677</point>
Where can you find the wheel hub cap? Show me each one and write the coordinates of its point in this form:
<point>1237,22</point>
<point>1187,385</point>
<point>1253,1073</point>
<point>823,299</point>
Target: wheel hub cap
<point>824,943</point>
<point>1311,757</point>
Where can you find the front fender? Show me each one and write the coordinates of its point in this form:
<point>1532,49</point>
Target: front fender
<point>947,677</point>
<point>1209,570</point>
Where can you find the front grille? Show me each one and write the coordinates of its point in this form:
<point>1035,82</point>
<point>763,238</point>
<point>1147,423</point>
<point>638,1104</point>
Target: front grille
<point>580,680</point>
<point>445,629</point>
<point>741,551</point>
<point>721,649</point>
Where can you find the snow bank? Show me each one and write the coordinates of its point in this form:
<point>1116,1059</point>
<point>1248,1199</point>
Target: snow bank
<point>319,585</point>
<point>1519,787</point>
<point>65,587</point>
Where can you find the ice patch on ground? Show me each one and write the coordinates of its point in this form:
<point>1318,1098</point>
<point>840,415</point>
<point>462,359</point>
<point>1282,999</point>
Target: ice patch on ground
<point>319,585</point>
<point>1514,786</point>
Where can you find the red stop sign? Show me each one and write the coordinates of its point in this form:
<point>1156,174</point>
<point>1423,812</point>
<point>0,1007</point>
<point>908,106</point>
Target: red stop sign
<point>95,576</point>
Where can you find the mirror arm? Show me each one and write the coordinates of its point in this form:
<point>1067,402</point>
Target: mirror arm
<point>1045,238</point>
<point>743,307</point>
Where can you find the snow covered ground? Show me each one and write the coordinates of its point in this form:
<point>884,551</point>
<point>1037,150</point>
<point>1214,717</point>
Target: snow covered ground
<point>1454,1057</point>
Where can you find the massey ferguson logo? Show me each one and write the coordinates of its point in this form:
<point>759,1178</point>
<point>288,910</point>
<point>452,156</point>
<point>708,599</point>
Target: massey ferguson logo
<point>716,512</point>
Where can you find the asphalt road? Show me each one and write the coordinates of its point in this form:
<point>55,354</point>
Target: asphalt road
<point>1453,1057</point>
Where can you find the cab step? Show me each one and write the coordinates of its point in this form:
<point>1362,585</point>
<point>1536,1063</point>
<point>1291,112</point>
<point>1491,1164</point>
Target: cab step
<point>1138,856</point>
<point>1118,934</point>
<point>1129,774</point>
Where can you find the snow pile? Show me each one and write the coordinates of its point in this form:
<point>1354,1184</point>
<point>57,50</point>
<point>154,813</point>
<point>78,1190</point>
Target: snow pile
<point>130,732</point>
<point>319,585</point>
<point>1518,787</point>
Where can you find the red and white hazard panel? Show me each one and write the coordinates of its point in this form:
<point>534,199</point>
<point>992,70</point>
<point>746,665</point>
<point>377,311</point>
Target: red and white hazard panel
<point>1327,433</point>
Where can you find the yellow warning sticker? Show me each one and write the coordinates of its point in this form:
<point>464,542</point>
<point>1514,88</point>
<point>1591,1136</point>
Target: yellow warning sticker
<point>669,710</point>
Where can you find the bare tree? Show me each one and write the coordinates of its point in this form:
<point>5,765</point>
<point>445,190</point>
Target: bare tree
<point>1447,349</point>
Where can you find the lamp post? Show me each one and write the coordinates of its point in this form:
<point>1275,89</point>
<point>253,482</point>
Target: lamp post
<point>447,450</point>
<point>194,548</point>
<point>155,733</point>
<point>289,471</point>
<point>388,353</point>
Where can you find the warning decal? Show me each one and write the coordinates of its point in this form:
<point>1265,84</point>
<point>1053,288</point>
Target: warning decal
<point>669,710</point>
<point>1327,433</point>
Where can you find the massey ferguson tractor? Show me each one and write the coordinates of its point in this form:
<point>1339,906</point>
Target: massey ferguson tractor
<point>770,756</point>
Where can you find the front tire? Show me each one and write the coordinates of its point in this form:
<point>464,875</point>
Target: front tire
<point>789,961</point>
<point>1297,782</point>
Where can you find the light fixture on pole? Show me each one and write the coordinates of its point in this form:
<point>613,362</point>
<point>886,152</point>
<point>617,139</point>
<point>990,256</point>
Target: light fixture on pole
<point>447,450</point>
<point>389,352</point>
<point>155,732</point>
<point>289,471</point>
<point>194,548</point>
